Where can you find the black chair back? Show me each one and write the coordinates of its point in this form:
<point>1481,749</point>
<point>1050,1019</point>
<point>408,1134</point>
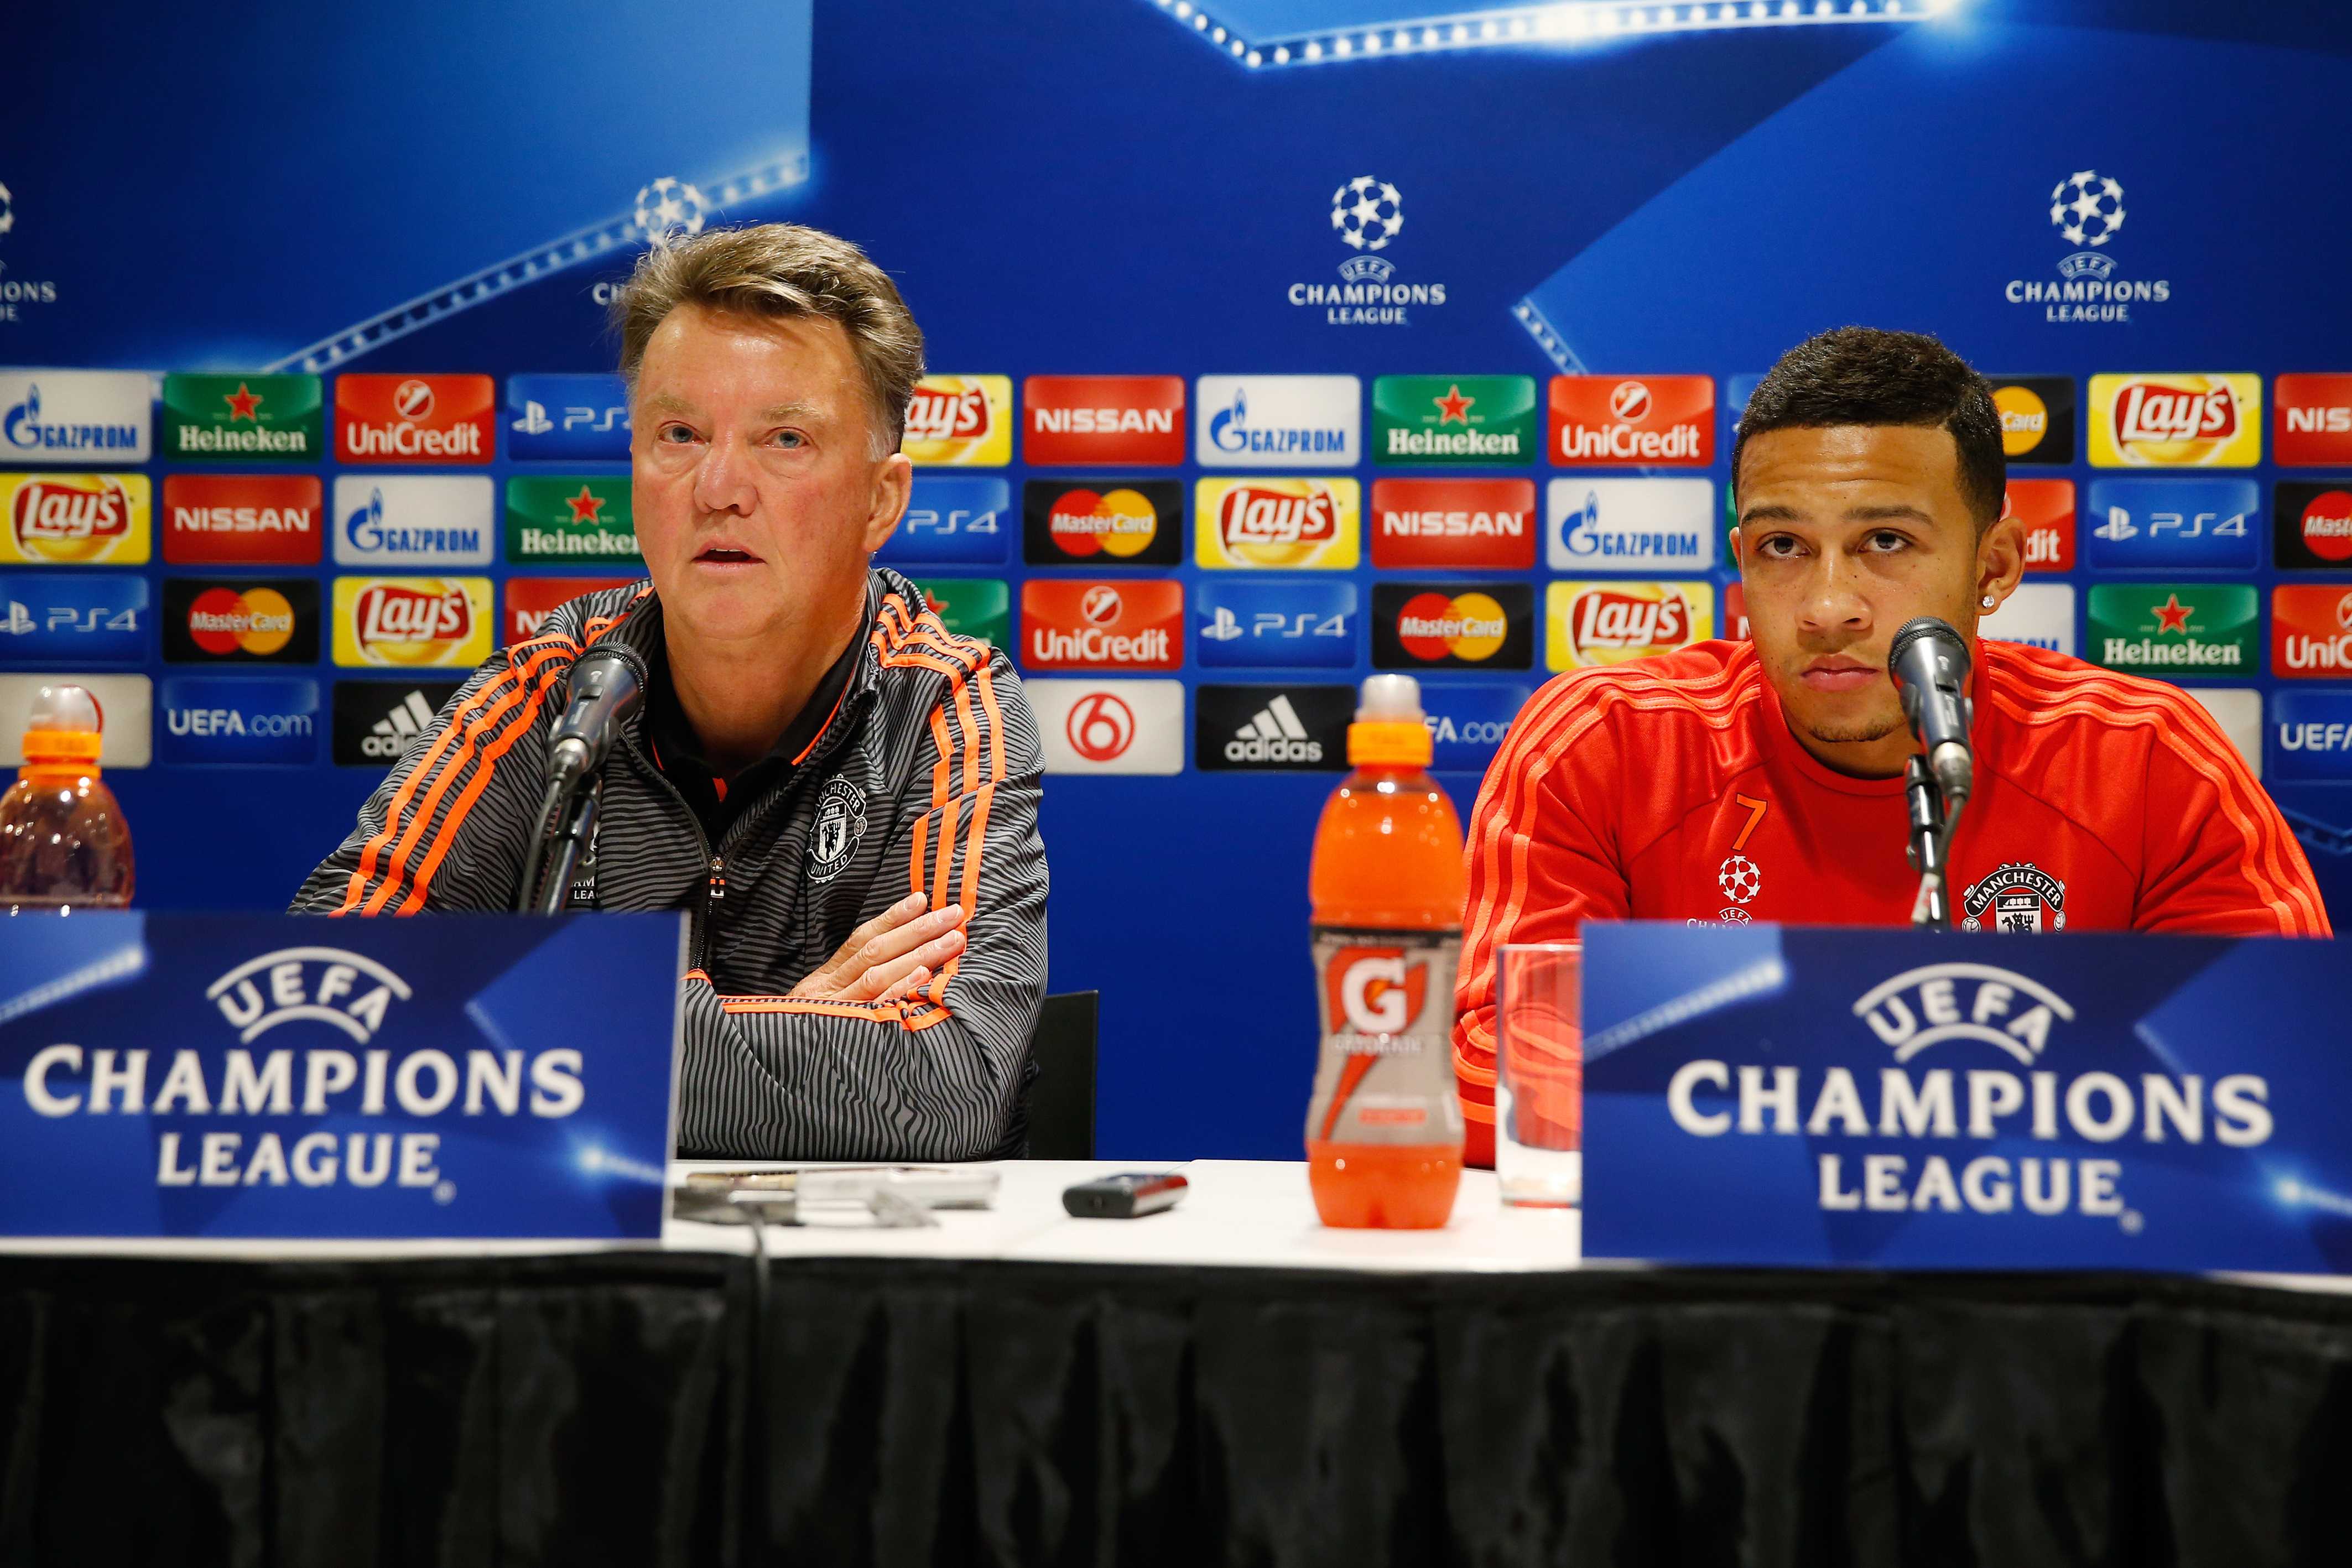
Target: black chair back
<point>1062,1101</point>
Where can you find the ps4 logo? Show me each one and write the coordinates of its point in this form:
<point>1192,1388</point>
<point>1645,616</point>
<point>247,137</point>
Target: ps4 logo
<point>1225,625</point>
<point>952,520</point>
<point>602,422</point>
<point>62,617</point>
<point>2180,525</point>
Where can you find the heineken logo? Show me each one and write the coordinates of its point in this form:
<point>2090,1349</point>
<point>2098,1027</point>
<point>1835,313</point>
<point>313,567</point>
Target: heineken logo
<point>570,518</point>
<point>2188,627</point>
<point>243,416</point>
<point>1435,420</point>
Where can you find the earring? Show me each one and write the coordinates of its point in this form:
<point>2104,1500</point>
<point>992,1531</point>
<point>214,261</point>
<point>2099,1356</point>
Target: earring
<point>1987,601</point>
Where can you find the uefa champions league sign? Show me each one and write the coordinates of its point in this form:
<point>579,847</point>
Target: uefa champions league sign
<point>173,1075</point>
<point>1771,1095</point>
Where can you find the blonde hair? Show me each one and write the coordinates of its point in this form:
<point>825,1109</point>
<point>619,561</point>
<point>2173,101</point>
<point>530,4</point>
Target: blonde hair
<point>781,270</point>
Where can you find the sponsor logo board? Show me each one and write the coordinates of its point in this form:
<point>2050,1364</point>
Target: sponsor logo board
<point>76,416</point>
<point>413,519</point>
<point>2238,711</point>
<point>125,711</point>
<point>1131,623</point>
<point>1243,624</point>
<point>244,419</point>
<point>1453,625</point>
<point>1109,727</point>
<point>2174,630</point>
<point>952,521</point>
<point>2312,425</point>
<point>2311,630</point>
<point>72,618</point>
<point>1650,422</point>
<point>2174,524</point>
<point>414,419</point>
<point>213,721</point>
<point>242,520</point>
<point>2176,421</point>
<point>2311,736</point>
<point>527,601</point>
<point>1271,728</point>
<point>2312,525</point>
<point>1279,422</point>
<point>1735,611</point>
<point>1469,524</point>
<point>978,607</point>
<point>1465,421</point>
<point>573,519</point>
<point>961,420</point>
<point>1468,721</point>
<point>375,720</point>
<point>1103,522</point>
<point>1119,422</point>
<point>2037,417</point>
<point>1275,524</point>
<point>567,418</point>
<point>241,620</point>
<point>412,621</point>
<point>2040,615</point>
<point>1630,525</point>
<point>75,519</point>
<point>1588,623</point>
<point>2046,508</point>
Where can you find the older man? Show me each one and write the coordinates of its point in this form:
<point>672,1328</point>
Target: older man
<point>841,793</point>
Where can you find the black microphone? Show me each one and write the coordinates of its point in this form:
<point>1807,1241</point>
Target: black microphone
<point>608,685</point>
<point>1928,662</point>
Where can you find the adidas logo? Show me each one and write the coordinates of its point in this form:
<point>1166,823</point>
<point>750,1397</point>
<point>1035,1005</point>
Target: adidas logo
<point>1274,736</point>
<point>390,732</point>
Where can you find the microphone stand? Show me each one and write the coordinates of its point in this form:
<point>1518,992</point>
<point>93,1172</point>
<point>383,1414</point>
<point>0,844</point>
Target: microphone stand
<point>1931,838</point>
<point>572,838</point>
<point>567,817</point>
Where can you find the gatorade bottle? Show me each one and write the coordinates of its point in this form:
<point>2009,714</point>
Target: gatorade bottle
<point>63,843</point>
<point>1384,1129</point>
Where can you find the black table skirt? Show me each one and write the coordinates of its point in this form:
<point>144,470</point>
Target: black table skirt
<point>621,1409</point>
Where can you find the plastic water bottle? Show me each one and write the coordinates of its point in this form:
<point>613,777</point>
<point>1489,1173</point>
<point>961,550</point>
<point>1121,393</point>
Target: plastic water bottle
<point>1385,1128</point>
<point>63,843</point>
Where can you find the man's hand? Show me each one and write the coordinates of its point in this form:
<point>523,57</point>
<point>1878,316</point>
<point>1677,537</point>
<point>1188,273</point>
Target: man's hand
<point>891,955</point>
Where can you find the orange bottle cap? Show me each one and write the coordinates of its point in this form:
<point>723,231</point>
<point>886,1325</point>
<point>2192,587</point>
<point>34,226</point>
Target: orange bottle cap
<point>1396,743</point>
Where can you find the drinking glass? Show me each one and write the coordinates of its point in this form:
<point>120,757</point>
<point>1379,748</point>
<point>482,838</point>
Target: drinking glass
<point>1539,1075</point>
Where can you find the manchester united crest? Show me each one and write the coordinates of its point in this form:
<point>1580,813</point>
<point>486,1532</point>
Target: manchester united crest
<point>2019,896</point>
<point>840,823</point>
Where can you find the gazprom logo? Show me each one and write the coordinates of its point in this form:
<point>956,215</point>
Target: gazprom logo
<point>1926,1007</point>
<point>325,985</point>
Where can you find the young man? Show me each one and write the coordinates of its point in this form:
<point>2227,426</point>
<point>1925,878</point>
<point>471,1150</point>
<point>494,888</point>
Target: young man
<point>1763,781</point>
<point>842,793</point>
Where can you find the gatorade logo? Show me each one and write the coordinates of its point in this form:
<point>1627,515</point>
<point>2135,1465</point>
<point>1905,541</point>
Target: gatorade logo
<point>1468,626</point>
<point>257,620</point>
<point>1376,990</point>
<point>74,518</point>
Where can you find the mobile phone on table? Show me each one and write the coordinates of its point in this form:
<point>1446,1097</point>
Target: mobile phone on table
<point>1129,1195</point>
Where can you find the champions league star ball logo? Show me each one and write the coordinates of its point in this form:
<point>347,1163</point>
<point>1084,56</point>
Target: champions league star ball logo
<point>1366,213</point>
<point>2087,208</point>
<point>1739,878</point>
<point>7,211</point>
<point>670,209</point>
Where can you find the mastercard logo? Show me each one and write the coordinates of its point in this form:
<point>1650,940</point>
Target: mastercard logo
<point>1467,626</point>
<point>77,518</point>
<point>2024,419</point>
<point>257,620</point>
<point>2328,526</point>
<point>1120,523</point>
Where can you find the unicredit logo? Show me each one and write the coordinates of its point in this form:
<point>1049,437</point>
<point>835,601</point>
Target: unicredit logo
<point>1630,401</point>
<point>1623,442</point>
<point>1102,626</point>
<point>412,419</point>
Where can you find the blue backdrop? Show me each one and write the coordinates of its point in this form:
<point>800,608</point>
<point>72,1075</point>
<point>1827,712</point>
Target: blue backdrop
<point>1122,186</point>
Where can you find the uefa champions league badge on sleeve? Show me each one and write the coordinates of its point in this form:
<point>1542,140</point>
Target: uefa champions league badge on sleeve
<point>1765,1095</point>
<point>243,1076</point>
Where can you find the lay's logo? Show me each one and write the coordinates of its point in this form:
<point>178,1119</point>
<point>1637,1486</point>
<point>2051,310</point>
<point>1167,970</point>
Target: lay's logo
<point>963,421</point>
<point>2176,421</point>
<point>1292,523</point>
<point>77,518</point>
<point>412,621</point>
<point>1609,623</point>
